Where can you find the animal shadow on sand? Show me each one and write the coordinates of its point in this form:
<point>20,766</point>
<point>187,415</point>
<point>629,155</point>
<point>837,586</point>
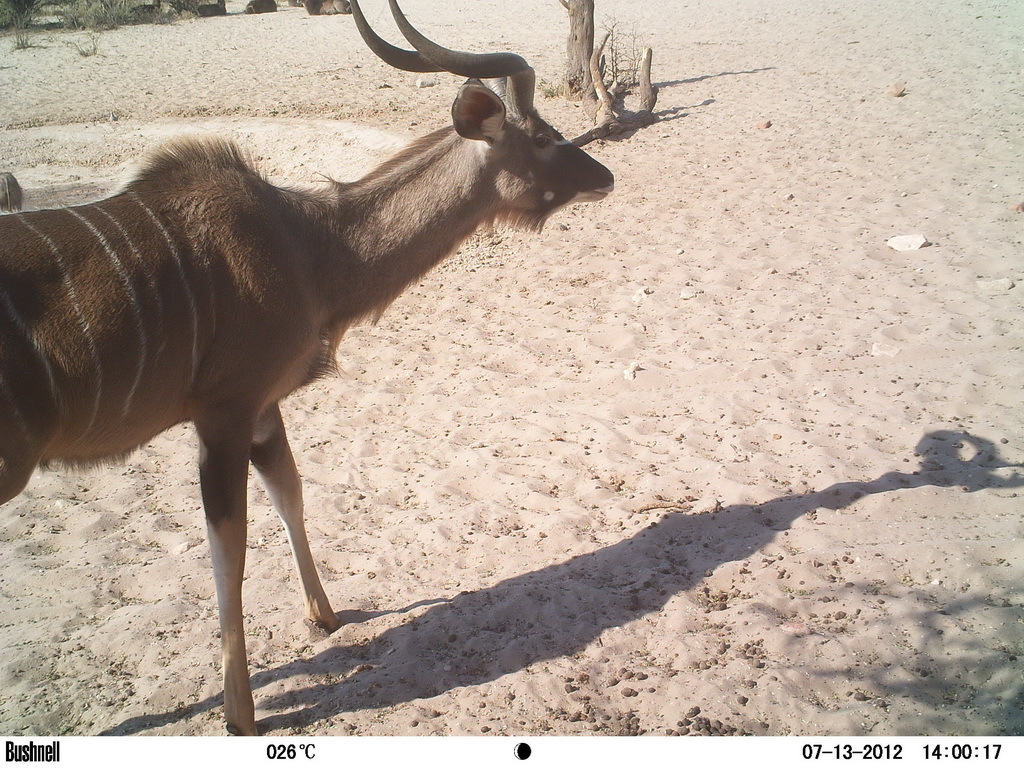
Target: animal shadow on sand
<point>477,637</point>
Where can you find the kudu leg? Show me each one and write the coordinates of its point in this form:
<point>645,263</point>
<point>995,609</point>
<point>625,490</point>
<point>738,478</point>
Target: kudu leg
<point>272,458</point>
<point>223,474</point>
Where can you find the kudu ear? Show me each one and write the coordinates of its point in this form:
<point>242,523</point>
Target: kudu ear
<point>478,113</point>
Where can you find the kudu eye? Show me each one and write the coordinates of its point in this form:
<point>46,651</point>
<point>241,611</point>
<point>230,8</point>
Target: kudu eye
<point>542,140</point>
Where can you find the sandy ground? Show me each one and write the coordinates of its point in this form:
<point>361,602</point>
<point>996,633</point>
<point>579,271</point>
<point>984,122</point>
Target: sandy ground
<point>705,457</point>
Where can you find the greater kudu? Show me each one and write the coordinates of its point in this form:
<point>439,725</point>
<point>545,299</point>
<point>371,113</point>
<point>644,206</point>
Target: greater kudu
<point>203,293</point>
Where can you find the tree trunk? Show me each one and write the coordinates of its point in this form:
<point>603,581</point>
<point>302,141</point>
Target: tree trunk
<point>578,81</point>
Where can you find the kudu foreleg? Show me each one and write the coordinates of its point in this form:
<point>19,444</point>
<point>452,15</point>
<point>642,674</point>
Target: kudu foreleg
<point>272,458</point>
<point>223,474</point>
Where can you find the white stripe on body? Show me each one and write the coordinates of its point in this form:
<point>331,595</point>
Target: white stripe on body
<point>146,273</point>
<point>133,300</point>
<point>83,323</point>
<point>184,281</point>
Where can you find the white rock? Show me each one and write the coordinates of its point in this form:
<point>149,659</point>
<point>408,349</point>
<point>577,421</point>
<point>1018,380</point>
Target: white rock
<point>999,285</point>
<point>907,242</point>
<point>884,350</point>
<point>181,549</point>
<point>642,294</point>
<point>425,82</point>
<point>630,373</point>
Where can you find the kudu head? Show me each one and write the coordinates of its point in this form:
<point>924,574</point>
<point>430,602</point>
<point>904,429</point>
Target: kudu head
<point>536,170</point>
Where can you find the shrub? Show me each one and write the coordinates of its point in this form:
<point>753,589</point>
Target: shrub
<point>623,54</point>
<point>97,14</point>
<point>19,13</point>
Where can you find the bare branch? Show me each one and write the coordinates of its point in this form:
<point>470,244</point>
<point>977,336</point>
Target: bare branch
<point>648,93</point>
<point>606,111</point>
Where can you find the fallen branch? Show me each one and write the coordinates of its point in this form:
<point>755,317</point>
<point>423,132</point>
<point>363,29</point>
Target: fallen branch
<point>608,121</point>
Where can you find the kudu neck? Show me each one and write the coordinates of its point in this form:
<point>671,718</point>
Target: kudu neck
<point>408,214</point>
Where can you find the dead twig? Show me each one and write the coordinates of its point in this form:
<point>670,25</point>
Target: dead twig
<point>608,122</point>
<point>606,112</point>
